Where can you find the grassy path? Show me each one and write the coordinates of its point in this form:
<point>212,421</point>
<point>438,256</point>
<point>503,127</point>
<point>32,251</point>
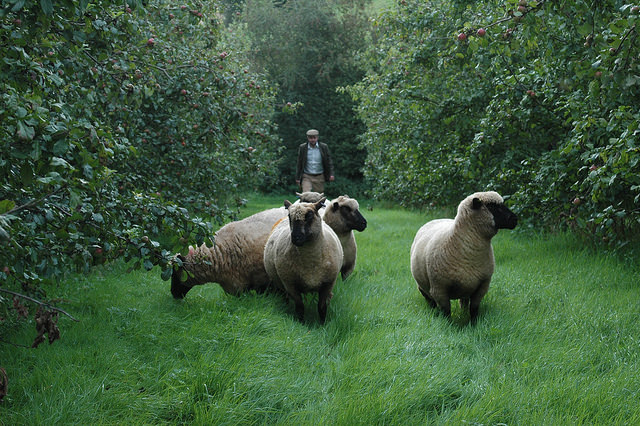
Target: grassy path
<point>557,342</point>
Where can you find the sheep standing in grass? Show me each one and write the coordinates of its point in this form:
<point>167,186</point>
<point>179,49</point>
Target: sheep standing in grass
<point>304,255</point>
<point>235,261</point>
<point>343,216</point>
<point>453,258</point>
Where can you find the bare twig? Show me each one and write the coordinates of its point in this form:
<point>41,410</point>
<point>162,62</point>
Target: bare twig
<point>31,299</point>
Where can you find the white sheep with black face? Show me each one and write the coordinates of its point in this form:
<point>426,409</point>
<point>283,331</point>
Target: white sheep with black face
<point>343,216</point>
<point>304,255</point>
<point>235,261</point>
<point>453,258</point>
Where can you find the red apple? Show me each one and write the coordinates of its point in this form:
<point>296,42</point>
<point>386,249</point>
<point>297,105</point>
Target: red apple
<point>481,32</point>
<point>598,74</point>
<point>151,42</point>
<point>576,201</point>
<point>183,92</point>
<point>462,36</point>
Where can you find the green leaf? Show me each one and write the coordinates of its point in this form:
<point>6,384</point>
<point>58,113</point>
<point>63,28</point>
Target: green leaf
<point>166,273</point>
<point>60,162</point>
<point>148,265</point>
<point>18,5</point>
<point>6,205</point>
<point>47,7</point>
<point>25,132</point>
<point>4,235</point>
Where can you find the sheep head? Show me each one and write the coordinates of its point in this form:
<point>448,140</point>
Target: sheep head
<point>486,210</point>
<point>349,210</point>
<point>304,221</point>
<point>310,196</point>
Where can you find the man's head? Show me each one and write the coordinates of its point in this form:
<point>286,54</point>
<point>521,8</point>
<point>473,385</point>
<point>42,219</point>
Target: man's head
<point>312,136</point>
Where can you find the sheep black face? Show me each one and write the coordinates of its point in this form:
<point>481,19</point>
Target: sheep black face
<point>179,288</point>
<point>352,218</point>
<point>502,216</point>
<point>304,221</point>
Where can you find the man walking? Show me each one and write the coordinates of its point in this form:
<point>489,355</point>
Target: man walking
<point>314,166</point>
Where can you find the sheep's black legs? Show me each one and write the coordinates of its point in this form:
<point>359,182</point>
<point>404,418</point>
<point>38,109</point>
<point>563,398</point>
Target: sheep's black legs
<point>323,297</point>
<point>432,302</point>
<point>474,306</point>
<point>297,300</point>
<point>445,308</point>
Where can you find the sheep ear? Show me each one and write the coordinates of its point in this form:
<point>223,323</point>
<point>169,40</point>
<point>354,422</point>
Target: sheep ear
<point>287,204</point>
<point>298,194</point>
<point>476,203</point>
<point>335,206</point>
<point>320,204</point>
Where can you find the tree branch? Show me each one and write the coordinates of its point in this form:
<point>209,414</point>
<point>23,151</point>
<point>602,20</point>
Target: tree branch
<point>31,299</point>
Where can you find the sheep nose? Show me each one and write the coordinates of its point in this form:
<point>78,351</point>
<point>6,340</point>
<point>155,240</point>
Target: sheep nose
<point>297,239</point>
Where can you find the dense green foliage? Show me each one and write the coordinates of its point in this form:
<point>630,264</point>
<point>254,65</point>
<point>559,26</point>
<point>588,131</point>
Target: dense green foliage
<point>556,344</point>
<point>308,48</point>
<point>543,105</point>
<point>119,123</point>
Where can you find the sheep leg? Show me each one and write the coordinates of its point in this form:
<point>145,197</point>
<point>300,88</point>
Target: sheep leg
<point>464,303</point>
<point>299,304</point>
<point>347,270</point>
<point>324,295</point>
<point>445,307</point>
<point>432,302</point>
<point>476,297</point>
<point>444,302</point>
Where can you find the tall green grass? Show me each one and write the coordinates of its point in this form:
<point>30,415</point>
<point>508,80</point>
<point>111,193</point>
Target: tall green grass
<point>557,342</point>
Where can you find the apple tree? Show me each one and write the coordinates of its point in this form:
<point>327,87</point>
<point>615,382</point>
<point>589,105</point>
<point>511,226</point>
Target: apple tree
<point>125,128</point>
<point>536,99</point>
